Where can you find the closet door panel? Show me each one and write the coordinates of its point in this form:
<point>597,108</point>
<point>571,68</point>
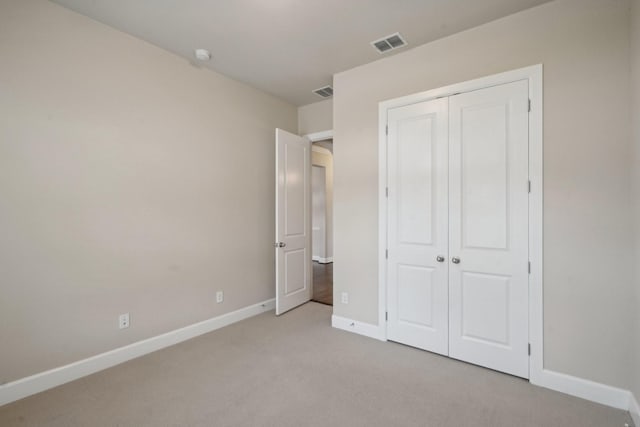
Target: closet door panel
<point>417,303</point>
<point>488,205</point>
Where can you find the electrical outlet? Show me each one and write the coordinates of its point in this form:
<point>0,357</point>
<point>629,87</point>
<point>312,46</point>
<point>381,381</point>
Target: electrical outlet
<point>123,321</point>
<point>219,297</point>
<point>344,298</point>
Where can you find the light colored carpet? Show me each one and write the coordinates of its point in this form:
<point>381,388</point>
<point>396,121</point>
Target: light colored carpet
<point>295,370</point>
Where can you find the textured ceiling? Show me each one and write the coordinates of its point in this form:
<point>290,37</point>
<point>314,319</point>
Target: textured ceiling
<point>290,47</point>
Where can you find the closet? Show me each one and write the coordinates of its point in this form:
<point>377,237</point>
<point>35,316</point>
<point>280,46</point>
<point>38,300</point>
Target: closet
<point>458,227</point>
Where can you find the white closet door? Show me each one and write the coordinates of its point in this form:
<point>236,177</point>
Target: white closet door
<point>417,303</point>
<point>488,179</point>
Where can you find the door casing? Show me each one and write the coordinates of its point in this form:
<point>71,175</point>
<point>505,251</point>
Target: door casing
<point>533,75</point>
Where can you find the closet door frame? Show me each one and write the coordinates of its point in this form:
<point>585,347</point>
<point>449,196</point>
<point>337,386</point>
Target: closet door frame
<point>533,75</point>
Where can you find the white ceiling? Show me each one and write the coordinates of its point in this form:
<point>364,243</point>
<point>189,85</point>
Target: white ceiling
<point>290,47</point>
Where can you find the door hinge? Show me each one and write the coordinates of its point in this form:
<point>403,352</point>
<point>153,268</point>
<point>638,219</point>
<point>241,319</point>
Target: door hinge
<point>529,267</point>
<point>386,192</point>
<point>386,130</point>
<point>529,105</point>
<point>386,253</point>
<point>529,186</point>
<point>529,349</point>
<point>386,316</point>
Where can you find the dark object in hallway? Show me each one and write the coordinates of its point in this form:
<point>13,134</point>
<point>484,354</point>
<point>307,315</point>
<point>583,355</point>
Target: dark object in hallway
<point>323,283</point>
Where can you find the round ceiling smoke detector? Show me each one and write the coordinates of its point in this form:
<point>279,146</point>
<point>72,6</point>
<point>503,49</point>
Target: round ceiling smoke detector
<point>203,54</point>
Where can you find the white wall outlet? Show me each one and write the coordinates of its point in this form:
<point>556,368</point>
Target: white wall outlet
<point>123,321</point>
<point>344,298</point>
<point>219,297</point>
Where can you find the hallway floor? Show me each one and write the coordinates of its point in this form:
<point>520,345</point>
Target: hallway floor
<point>323,283</point>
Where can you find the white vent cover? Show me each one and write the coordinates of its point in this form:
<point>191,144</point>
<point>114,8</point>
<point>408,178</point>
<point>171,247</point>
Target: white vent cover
<point>388,43</point>
<point>324,92</point>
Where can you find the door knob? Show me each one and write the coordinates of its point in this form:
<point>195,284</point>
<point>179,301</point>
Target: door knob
<point>455,260</point>
<point>279,245</point>
<point>440,258</point>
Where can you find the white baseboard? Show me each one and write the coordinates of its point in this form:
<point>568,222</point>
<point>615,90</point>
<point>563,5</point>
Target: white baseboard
<point>361,328</point>
<point>634,409</point>
<point>322,260</point>
<point>585,389</point>
<point>15,390</point>
<point>589,390</point>
<point>45,380</point>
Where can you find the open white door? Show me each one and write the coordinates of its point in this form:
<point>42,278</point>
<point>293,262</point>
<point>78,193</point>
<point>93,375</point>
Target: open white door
<point>293,221</point>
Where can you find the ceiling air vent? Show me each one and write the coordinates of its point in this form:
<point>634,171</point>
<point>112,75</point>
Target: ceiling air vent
<point>324,92</point>
<point>389,43</point>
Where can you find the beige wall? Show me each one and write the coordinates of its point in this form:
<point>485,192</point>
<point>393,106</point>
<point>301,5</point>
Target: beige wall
<point>316,117</point>
<point>584,46</point>
<point>326,160</point>
<point>635,123</point>
<point>131,181</point>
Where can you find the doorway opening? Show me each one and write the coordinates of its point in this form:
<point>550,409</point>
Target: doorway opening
<point>293,211</point>
<point>322,220</point>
